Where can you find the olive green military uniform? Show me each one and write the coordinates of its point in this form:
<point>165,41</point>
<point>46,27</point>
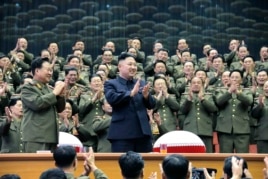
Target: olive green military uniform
<point>98,174</point>
<point>87,112</point>
<point>40,107</point>
<point>231,57</point>
<point>199,117</point>
<point>167,108</point>
<point>260,113</point>
<point>233,124</point>
<point>101,127</point>
<point>11,136</point>
<point>74,92</point>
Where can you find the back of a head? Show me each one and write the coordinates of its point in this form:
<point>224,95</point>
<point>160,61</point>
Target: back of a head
<point>64,156</point>
<point>175,166</point>
<point>10,176</point>
<point>131,165</point>
<point>227,168</point>
<point>54,173</point>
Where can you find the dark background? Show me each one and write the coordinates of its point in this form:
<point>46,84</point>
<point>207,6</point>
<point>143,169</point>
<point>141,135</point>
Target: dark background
<point>95,22</point>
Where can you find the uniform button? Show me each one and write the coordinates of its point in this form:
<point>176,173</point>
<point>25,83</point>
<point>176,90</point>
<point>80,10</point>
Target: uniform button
<point>233,105</point>
<point>20,151</point>
<point>164,110</point>
<point>233,115</point>
<point>233,110</point>
<point>198,113</point>
<point>165,119</point>
<point>20,144</point>
<point>96,113</point>
<point>197,104</point>
<point>197,109</point>
<point>198,118</point>
<point>164,114</point>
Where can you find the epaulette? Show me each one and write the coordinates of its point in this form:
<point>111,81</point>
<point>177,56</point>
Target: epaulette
<point>207,93</point>
<point>222,87</point>
<point>50,87</point>
<point>80,86</point>
<point>34,83</point>
<point>15,96</point>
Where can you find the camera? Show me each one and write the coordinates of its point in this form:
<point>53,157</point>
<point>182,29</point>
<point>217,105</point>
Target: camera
<point>198,173</point>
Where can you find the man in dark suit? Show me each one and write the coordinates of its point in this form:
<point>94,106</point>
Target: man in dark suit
<point>40,107</point>
<point>129,97</point>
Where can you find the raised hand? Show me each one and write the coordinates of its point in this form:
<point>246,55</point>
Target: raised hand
<point>157,118</point>
<point>207,176</point>
<point>201,94</point>
<point>59,88</point>
<point>261,100</point>
<point>145,91</point>
<point>8,114</point>
<point>135,89</point>
<point>75,120</point>
<point>160,94</point>
<point>3,89</point>
<point>190,94</point>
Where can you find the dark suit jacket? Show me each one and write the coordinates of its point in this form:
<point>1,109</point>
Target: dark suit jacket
<point>129,118</point>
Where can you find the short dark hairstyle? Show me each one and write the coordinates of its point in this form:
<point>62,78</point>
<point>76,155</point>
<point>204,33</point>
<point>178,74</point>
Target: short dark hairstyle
<point>208,52</point>
<point>54,173</point>
<point>124,55</point>
<point>185,50</point>
<point>10,176</point>
<point>190,62</point>
<point>96,75</point>
<point>202,71</point>
<point>227,167</point>
<point>71,57</point>
<point>137,38</point>
<point>248,56</point>
<point>67,70</point>
<point>241,46</point>
<point>13,100</point>
<point>175,166</point>
<point>44,50</point>
<point>218,56</point>
<point>64,156</point>
<point>159,61</point>
<point>131,164</point>
<point>37,63</point>
<point>75,109</point>
<point>261,70</point>
<point>78,40</point>
<point>162,49</point>
<point>236,70</point>
<point>106,49</point>
<point>158,76</point>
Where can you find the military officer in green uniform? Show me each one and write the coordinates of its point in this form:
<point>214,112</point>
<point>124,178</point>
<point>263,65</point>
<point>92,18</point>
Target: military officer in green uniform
<point>40,107</point>
<point>73,89</point>
<point>198,108</point>
<point>260,112</point>
<point>89,107</point>
<point>166,104</point>
<point>10,127</point>
<point>101,127</point>
<point>233,124</point>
